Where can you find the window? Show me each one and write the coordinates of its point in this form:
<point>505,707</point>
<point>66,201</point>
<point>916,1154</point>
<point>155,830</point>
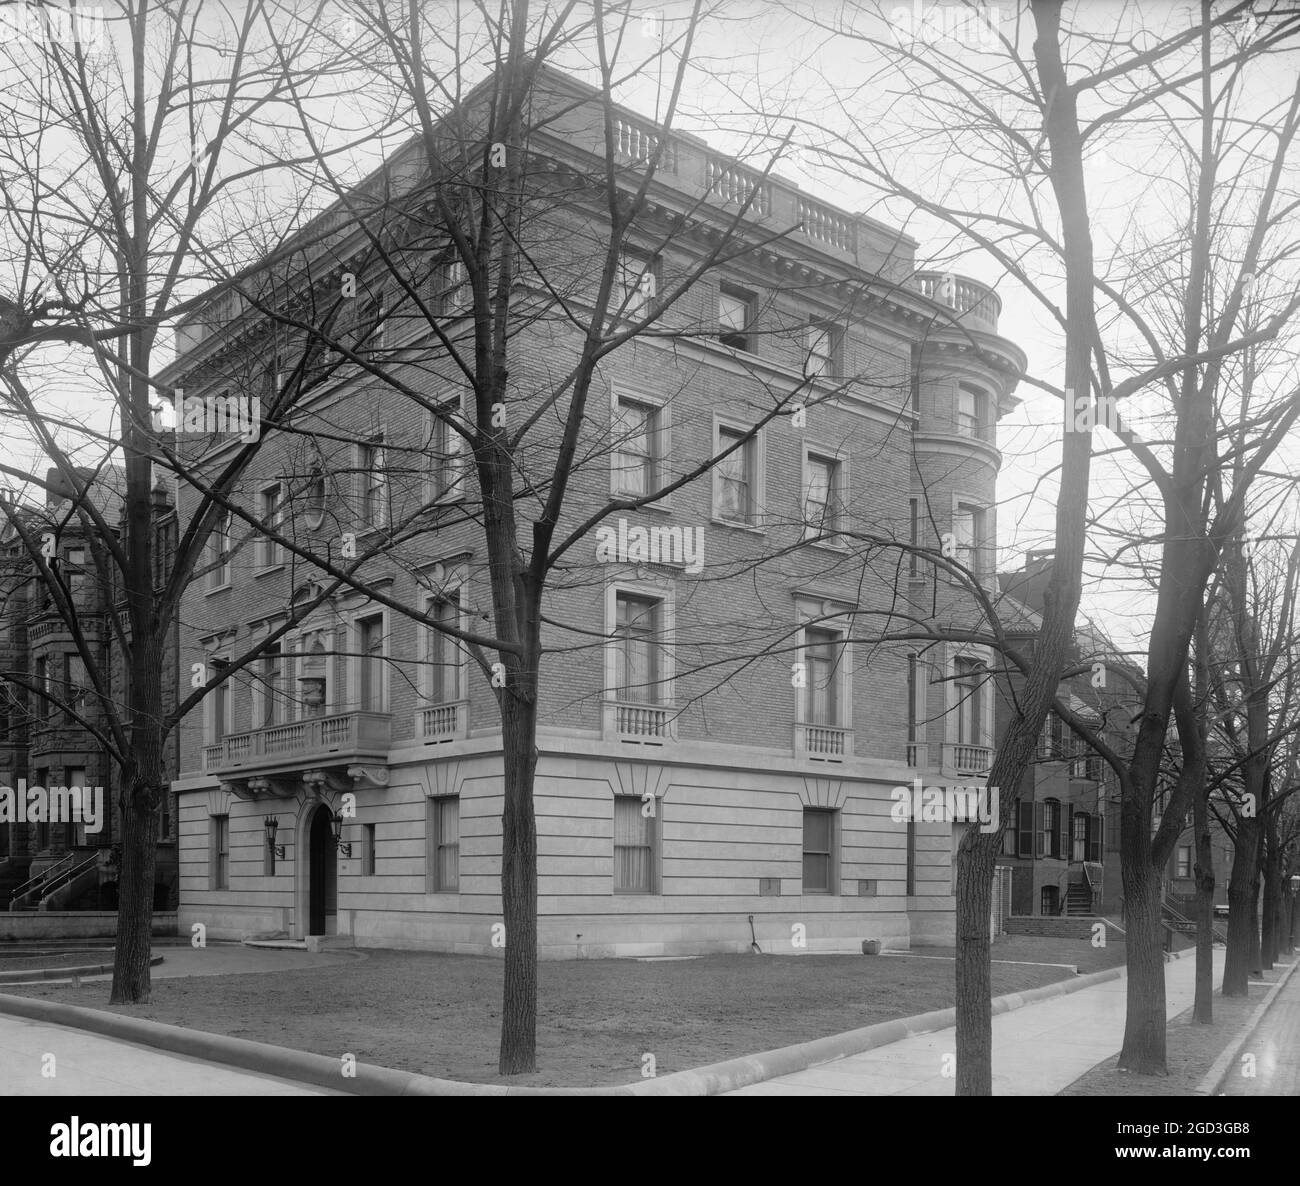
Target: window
<point>972,412</point>
<point>1049,829</point>
<point>822,654</point>
<point>1082,825</point>
<point>271,691</point>
<point>220,851</point>
<point>735,490</point>
<point>368,850</point>
<point>443,661</point>
<point>1049,900</point>
<point>1025,830</point>
<point>219,550</point>
<point>74,572</point>
<point>634,846</point>
<point>372,466</point>
<point>822,347</point>
<point>314,677</point>
<point>316,497</point>
<point>451,287</point>
<point>372,682</point>
<point>823,500</point>
<point>42,680</point>
<point>636,284</point>
<point>637,447</point>
<point>735,318</point>
<point>639,661</point>
<point>914,536</point>
<point>915,711</point>
<point>968,680</point>
<point>272,519</point>
<point>911,858</point>
<point>443,857</point>
<point>76,777</point>
<point>76,684</point>
<point>447,463</point>
<point>968,525</point>
<point>1183,868</point>
<point>818,863</point>
<point>218,701</point>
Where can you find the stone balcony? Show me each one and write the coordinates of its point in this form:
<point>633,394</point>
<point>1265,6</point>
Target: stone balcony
<point>822,743</point>
<point>340,749</point>
<point>638,724</point>
<point>975,305</point>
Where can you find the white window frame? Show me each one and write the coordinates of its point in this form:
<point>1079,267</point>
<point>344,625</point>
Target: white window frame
<point>445,481</point>
<point>270,553</point>
<point>215,880</point>
<point>983,528</point>
<point>368,469</point>
<point>456,587</point>
<point>655,836</point>
<point>667,634</point>
<point>979,427</point>
<point>827,360</point>
<point>356,658</point>
<point>755,454</point>
<point>833,856</point>
<point>825,615</point>
<point>433,840</point>
<point>662,435</point>
<point>982,656</point>
<point>633,301</point>
<point>811,451</point>
<point>739,292</point>
<point>210,701</point>
<point>219,577</point>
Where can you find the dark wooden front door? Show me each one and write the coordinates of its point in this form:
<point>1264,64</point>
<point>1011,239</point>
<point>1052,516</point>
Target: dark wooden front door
<point>323,883</point>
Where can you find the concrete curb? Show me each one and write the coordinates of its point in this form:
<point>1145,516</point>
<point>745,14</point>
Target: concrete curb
<point>1218,1072</point>
<point>8,979</point>
<point>322,1071</point>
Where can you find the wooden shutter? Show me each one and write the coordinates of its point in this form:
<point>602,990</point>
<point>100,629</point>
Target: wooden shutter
<point>1039,812</point>
<point>1025,832</point>
<point>1064,814</point>
<point>1096,835</point>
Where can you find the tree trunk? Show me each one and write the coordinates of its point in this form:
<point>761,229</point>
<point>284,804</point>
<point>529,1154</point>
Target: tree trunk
<point>1272,872</point>
<point>1144,1024</point>
<point>975,862</point>
<point>518,1055</point>
<point>1236,968</point>
<point>133,949</point>
<point>1203,1005</point>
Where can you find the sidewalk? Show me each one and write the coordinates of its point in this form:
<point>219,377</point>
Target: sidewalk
<point>89,1064</point>
<point>1037,1050</point>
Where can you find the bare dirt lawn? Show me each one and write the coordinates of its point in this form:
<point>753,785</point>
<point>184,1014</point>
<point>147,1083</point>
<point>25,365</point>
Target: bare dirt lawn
<point>439,1014</point>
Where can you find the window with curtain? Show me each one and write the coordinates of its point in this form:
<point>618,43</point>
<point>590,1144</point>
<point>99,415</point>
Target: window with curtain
<point>821,655</point>
<point>634,840</point>
<point>818,833</point>
<point>735,476</point>
<point>968,678</point>
<point>639,663</point>
<point>373,684</point>
<point>444,844</point>
<point>443,661</point>
<point>636,447</point>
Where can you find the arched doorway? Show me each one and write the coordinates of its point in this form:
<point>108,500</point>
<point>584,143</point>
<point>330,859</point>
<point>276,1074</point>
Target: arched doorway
<point>322,875</point>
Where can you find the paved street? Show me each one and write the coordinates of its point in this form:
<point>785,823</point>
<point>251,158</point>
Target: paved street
<point>1037,1050</point>
<point>1276,1047</point>
<point>88,1064</point>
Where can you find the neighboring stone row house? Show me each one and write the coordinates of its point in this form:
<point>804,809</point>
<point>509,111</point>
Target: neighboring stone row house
<point>349,782</point>
<point>56,863</point>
